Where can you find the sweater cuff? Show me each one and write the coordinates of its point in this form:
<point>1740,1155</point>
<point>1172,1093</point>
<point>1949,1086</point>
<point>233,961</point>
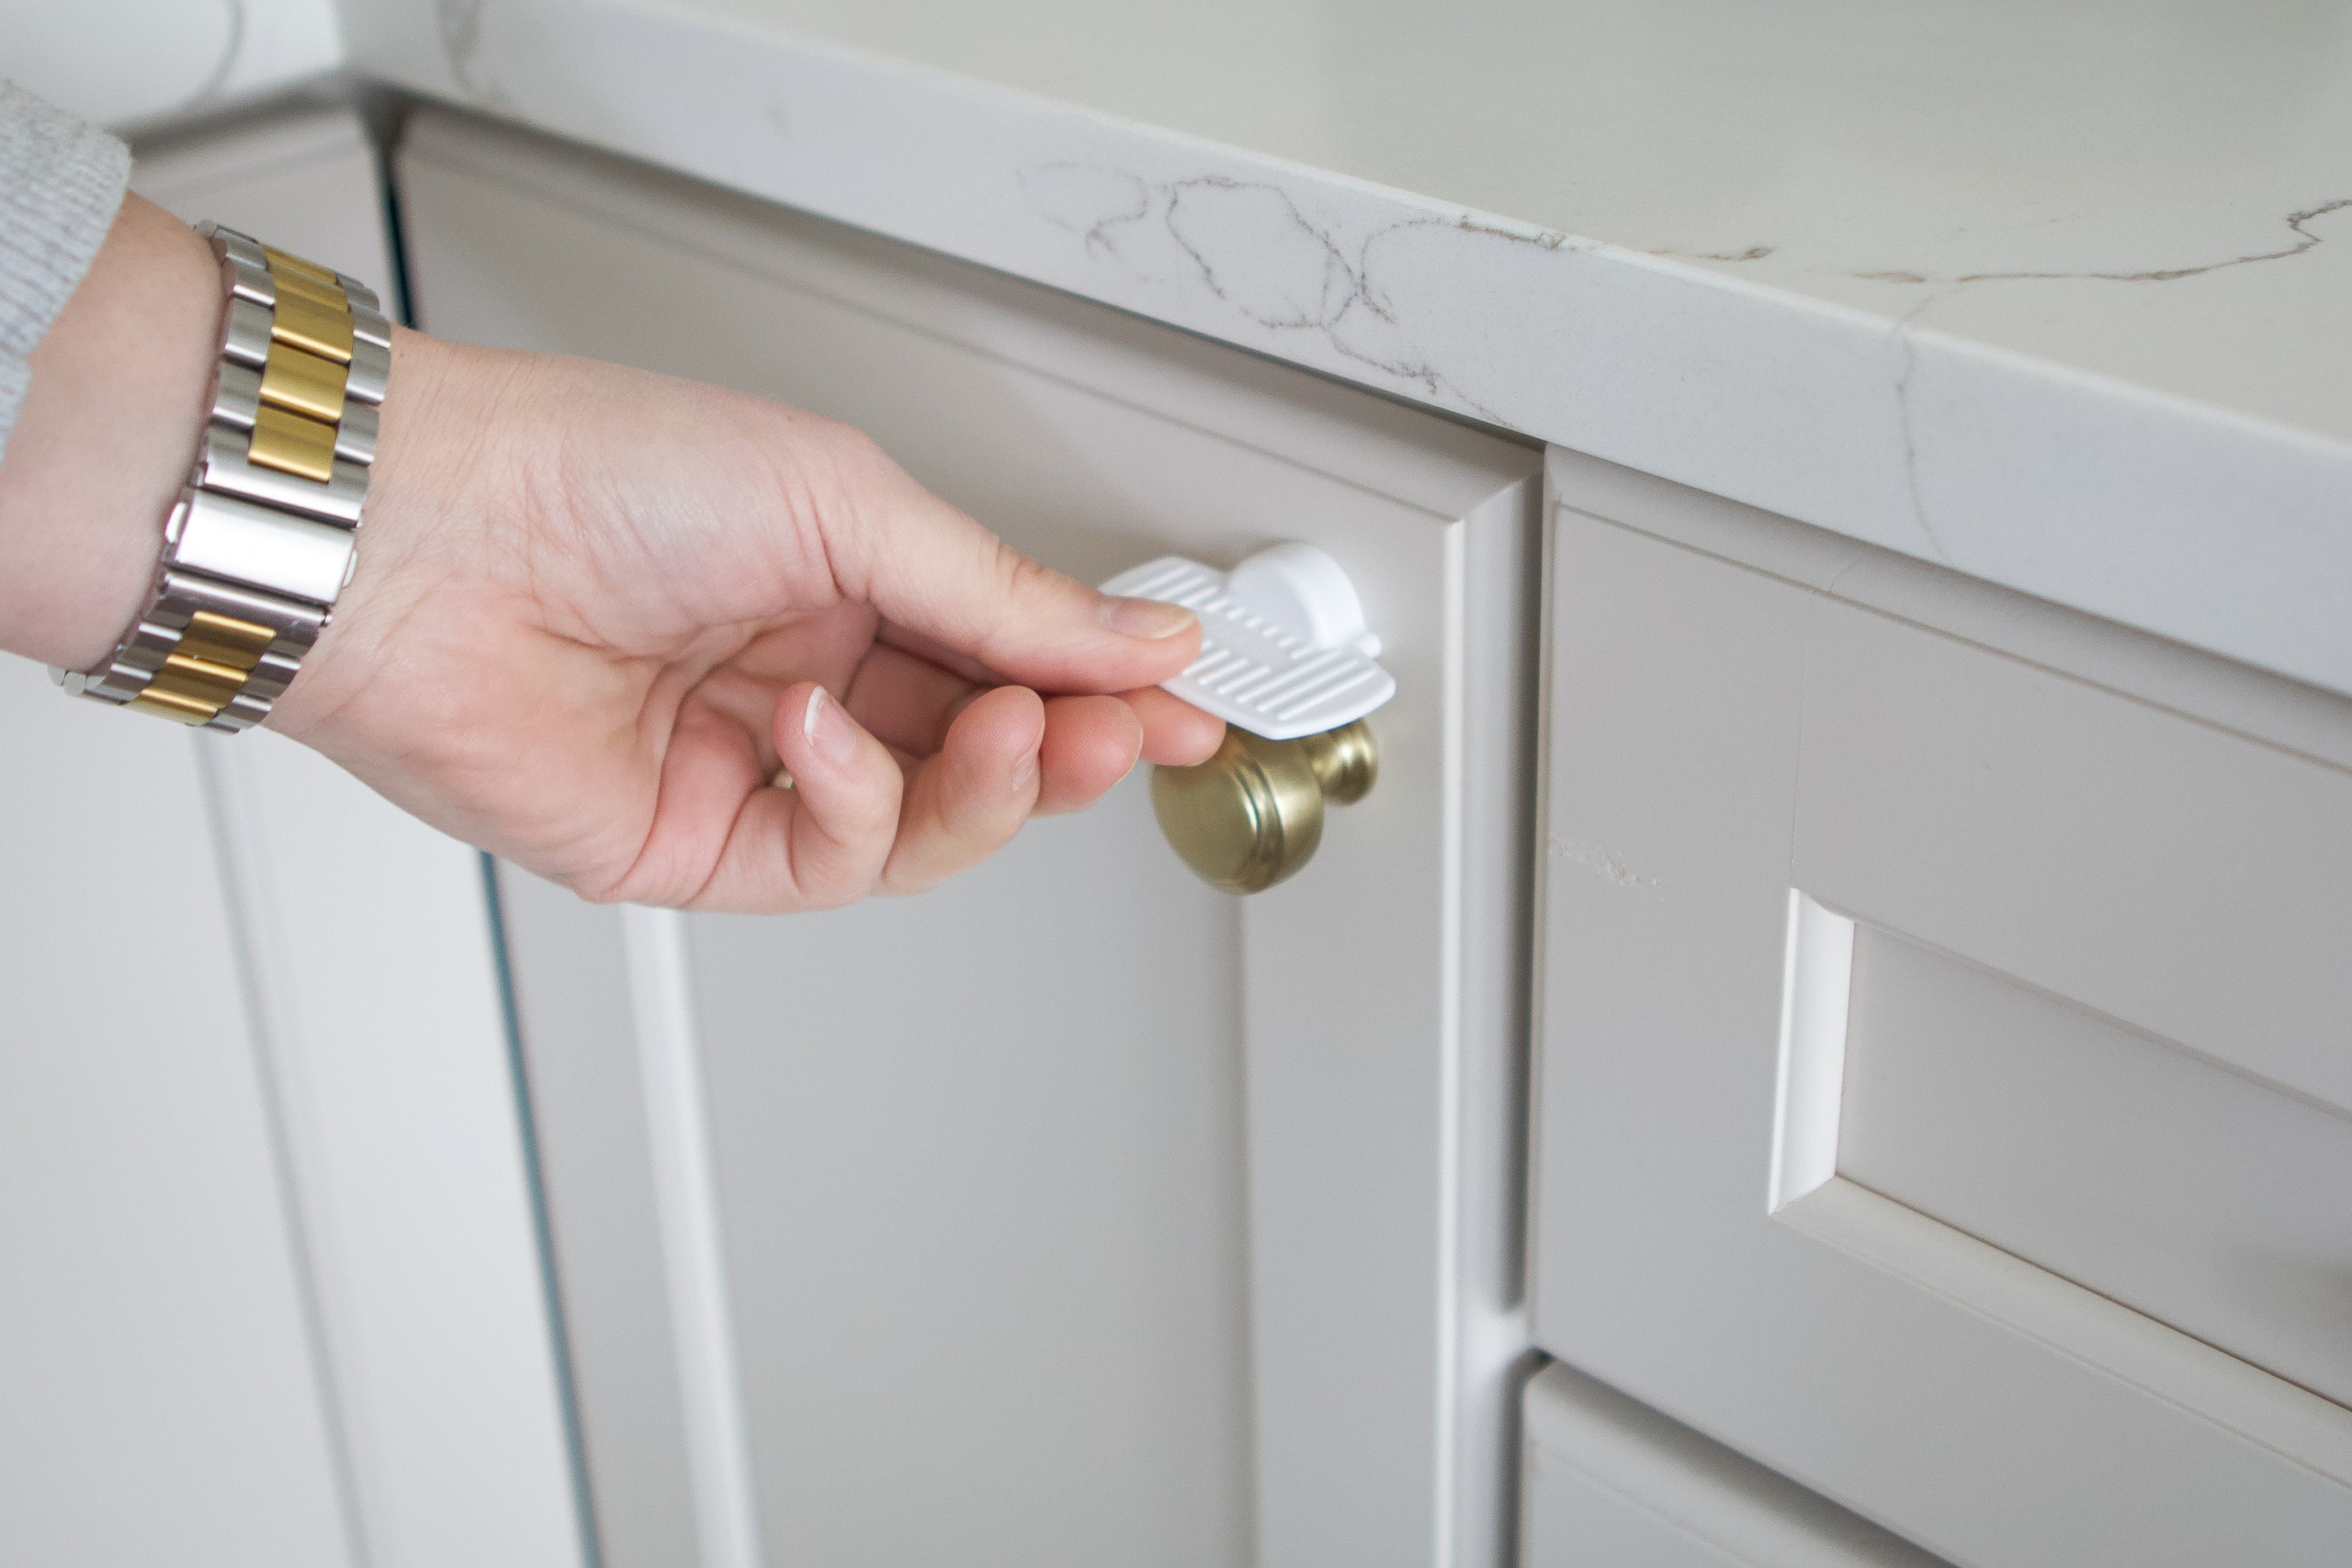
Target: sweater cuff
<point>60,184</point>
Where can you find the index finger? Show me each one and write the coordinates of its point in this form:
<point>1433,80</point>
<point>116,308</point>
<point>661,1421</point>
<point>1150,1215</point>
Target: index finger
<point>935,573</point>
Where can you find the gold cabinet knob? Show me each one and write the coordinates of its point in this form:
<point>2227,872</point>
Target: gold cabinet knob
<point>1252,814</point>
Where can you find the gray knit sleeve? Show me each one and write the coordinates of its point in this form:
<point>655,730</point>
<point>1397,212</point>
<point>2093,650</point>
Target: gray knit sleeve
<point>60,183</point>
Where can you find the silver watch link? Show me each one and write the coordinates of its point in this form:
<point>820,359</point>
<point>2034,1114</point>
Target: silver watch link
<point>263,536</point>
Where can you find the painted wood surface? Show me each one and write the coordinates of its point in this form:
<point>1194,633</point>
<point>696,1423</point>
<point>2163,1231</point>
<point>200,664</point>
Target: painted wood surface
<point>1611,1483</point>
<point>159,1399</point>
<point>281,1297</point>
<point>1827,830</point>
<point>1099,1213</point>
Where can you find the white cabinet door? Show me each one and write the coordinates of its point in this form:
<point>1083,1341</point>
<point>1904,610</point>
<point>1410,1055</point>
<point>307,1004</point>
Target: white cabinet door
<point>269,1286</point>
<point>367,943</point>
<point>1946,1045</point>
<point>1073,1214</point>
<point>157,1401</point>
<point>1610,1483</point>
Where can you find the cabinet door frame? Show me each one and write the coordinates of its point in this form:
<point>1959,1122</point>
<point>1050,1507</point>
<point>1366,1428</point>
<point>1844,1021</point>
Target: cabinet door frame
<point>1383,1202</point>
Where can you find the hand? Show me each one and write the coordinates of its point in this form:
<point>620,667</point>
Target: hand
<point>597,610</point>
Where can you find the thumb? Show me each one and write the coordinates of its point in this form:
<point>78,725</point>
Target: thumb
<point>933,571</point>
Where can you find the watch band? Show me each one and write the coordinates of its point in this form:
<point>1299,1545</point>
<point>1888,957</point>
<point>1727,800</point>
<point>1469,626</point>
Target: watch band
<point>265,533</point>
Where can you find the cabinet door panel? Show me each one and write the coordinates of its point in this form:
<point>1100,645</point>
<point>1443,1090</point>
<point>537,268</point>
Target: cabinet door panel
<point>1072,1212</point>
<point>1006,1170</point>
<point>1942,1047</point>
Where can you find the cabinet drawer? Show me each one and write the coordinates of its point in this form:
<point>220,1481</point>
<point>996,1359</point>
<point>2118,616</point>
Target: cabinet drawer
<point>1611,1483</point>
<point>1947,1041</point>
<point>1072,1212</point>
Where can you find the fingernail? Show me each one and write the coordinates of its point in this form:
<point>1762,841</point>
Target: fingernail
<point>1150,618</point>
<point>826,728</point>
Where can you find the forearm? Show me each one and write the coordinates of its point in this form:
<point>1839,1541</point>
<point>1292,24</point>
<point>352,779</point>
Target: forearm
<point>104,439</point>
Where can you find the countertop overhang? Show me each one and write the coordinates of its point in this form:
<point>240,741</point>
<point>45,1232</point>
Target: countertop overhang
<point>2062,300</point>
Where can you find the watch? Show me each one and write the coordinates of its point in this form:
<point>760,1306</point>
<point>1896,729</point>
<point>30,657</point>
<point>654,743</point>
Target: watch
<point>265,533</point>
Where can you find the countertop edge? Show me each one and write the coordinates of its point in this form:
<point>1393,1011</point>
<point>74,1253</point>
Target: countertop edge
<point>2198,524</point>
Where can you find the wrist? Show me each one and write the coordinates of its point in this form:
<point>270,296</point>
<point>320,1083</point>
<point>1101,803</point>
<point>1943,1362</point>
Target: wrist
<point>261,538</point>
<point>104,439</point>
<point>429,454</point>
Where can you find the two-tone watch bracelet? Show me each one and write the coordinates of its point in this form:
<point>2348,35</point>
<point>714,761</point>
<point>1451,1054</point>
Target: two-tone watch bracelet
<point>263,536</point>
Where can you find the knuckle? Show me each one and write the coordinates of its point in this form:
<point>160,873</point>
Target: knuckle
<point>858,465</point>
<point>1021,582</point>
<point>1021,577</point>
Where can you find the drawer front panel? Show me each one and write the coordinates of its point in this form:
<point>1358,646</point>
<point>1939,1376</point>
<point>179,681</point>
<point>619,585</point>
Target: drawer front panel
<point>2159,868</point>
<point>2100,1016</point>
<point>2206,1200</point>
<point>1941,1058</point>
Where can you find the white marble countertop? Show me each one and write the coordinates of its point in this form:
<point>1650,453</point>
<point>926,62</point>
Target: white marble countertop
<point>2058,295</point>
<point>140,64</point>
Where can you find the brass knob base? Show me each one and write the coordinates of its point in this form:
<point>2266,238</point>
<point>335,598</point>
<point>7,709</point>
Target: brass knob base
<point>1345,760</point>
<point>1252,814</point>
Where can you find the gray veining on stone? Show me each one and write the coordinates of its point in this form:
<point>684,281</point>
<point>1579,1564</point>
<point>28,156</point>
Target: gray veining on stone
<point>209,89</point>
<point>2108,370</point>
<point>459,25</point>
<point>1253,247</point>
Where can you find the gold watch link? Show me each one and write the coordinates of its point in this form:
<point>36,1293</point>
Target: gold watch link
<point>263,536</point>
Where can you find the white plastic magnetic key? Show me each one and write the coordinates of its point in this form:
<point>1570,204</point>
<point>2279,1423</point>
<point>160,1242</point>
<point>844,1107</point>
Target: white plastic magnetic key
<point>1283,648</point>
